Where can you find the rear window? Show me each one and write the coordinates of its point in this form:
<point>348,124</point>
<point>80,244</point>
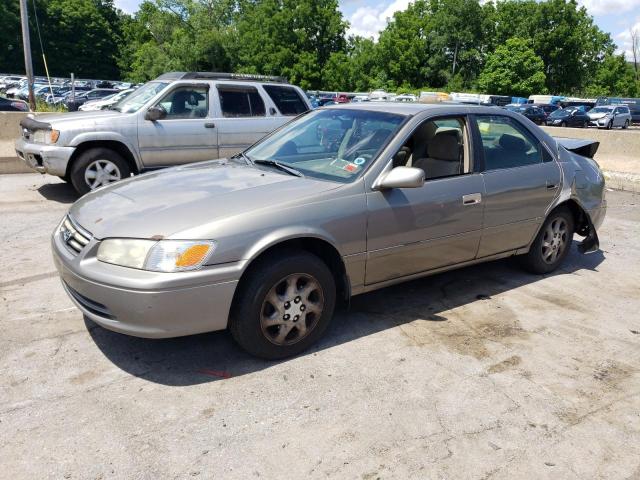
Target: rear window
<point>286,99</point>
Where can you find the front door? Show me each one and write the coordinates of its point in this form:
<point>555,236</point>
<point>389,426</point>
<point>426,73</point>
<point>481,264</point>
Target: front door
<point>413,230</point>
<point>187,133</point>
<point>521,180</point>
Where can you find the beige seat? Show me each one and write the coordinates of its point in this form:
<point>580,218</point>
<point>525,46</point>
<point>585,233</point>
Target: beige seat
<point>443,156</point>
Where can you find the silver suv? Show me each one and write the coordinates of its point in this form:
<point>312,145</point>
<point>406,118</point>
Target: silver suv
<point>175,119</point>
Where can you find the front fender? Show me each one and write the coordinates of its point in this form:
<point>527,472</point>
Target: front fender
<point>98,136</point>
<point>284,234</point>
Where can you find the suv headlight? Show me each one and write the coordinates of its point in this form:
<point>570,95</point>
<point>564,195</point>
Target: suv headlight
<point>155,256</point>
<point>46,136</point>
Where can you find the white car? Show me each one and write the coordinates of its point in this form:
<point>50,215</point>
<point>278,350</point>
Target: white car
<point>105,102</point>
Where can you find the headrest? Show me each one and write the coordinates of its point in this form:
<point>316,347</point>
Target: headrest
<point>444,146</point>
<point>512,143</point>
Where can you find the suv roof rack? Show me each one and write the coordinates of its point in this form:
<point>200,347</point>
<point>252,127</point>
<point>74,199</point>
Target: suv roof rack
<point>250,77</point>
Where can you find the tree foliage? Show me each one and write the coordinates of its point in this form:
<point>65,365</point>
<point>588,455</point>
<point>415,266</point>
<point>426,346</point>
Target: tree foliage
<point>513,69</point>
<point>499,46</point>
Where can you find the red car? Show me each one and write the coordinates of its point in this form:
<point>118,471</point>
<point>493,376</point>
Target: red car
<point>341,98</point>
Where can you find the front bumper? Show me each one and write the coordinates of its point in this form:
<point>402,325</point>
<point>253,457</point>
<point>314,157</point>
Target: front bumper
<point>52,159</point>
<point>146,304</point>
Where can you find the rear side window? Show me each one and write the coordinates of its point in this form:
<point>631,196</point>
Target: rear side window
<point>507,144</point>
<point>240,101</point>
<point>286,99</point>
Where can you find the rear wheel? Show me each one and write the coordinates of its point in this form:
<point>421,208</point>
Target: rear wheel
<point>552,243</point>
<point>284,305</point>
<point>98,167</point>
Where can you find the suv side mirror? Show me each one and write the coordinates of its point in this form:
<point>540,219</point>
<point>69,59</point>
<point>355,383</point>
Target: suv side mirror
<point>402,177</point>
<point>155,113</point>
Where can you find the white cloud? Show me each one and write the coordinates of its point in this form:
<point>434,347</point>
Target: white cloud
<point>623,40</point>
<point>128,6</point>
<point>368,21</point>
<point>610,7</point>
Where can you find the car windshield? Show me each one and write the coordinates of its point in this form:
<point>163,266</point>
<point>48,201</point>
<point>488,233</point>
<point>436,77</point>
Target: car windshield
<point>330,144</point>
<point>138,98</point>
<point>601,110</point>
<point>560,113</point>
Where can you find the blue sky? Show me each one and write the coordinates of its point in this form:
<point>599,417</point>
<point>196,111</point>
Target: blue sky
<point>368,17</point>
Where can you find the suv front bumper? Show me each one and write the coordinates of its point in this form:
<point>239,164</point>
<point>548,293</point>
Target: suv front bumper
<point>51,159</point>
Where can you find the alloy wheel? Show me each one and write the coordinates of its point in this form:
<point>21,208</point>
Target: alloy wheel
<point>291,309</point>
<point>555,240</point>
<point>101,172</point>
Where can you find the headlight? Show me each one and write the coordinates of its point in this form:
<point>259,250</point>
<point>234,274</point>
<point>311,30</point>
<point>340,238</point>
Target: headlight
<point>46,136</point>
<point>162,256</point>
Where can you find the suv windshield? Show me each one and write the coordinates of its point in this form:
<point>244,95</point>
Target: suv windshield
<point>333,144</point>
<point>138,98</point>
<point>560,113</point>
<point>601,110</point>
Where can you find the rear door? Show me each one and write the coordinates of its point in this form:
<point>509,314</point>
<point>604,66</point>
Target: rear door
<point>187,133</point>
<point>244,115</point>
<point>521,179</point>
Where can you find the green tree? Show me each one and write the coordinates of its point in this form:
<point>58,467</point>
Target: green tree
<point>513,69</point>
<point>614,77</point>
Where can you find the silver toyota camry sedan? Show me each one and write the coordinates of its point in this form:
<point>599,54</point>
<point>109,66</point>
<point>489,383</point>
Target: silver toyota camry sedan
<point>340,201</point>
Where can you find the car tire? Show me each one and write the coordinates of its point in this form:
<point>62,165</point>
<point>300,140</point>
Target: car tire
<point>585,124</point>
<point>552,244</point>
<point>295,281</point>
<point>98,167</point>
<point>609,125</point>
<point>626,125</point>
<point>563,124</point>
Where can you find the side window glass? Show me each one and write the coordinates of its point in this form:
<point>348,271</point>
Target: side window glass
<point>439,147</point>
<point>507,144</point>
<point>238,101</point>
<point>286,99</point>
<point>186,102</point>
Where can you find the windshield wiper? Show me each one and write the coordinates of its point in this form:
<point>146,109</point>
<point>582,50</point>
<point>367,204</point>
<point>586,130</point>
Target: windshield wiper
<point>243,156</point>
<point>280,166</point>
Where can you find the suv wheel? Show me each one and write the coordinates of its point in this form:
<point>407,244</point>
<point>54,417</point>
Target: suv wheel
<point>552,244</point>
<point>610,125</point>
<point>626,125</point>
<point>284,305</point>
<point>97,167</point>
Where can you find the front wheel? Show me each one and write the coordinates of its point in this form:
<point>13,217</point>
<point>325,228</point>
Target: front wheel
<point>626,125</point>
<point>284,305</point>
<point>552,243</point>
<point>98,167</point>
<point>563,124</point>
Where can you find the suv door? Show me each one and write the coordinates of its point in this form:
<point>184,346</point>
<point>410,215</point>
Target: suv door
<point>412,230</point>
<point>241,117</point>
<point>521,179</point>
<point>186,134</point>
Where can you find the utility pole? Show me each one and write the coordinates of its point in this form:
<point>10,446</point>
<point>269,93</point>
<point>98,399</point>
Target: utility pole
<point>26,45</point>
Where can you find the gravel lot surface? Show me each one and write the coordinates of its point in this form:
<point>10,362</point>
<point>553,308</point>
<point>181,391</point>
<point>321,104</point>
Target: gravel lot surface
<point>486,372</point>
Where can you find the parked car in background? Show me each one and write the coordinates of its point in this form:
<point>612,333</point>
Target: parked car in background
<point>533,113</point>
<point>175,119</point>
<point>13,105</point>
<point>568,117</point>
<point>406,97</point>
<point>10,81</point>
<point>610,116</point>
<point>268,242</point>
<point>105,102</point>
<point>547,108</point>
<point>342,98</point>
<point>82,98</point>
<point>632,103</point>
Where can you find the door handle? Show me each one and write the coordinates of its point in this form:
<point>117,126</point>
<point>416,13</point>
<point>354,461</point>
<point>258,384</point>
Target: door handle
<point>209,125</point>
<point>471,199</point>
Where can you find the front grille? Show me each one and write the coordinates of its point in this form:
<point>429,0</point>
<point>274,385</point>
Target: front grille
<point>73,236</point>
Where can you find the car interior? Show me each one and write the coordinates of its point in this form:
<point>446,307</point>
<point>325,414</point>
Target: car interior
<point>439,147</point>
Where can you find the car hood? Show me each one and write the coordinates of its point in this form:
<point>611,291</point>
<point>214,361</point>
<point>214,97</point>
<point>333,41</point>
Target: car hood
<point>87,119</point>
<point>164,203</point>
<point>596,116</point>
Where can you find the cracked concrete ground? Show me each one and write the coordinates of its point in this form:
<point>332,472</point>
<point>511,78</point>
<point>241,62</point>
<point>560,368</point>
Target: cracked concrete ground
<point>486,372</point>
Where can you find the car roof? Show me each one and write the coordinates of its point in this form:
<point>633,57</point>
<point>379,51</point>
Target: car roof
<point>415,108</point>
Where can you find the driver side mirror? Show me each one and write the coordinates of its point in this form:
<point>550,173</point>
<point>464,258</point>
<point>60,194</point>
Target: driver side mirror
<point>155,113</point>
<point>402,177</point>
